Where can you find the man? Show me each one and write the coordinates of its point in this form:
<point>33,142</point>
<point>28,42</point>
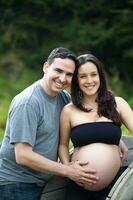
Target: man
<point>28,153</point>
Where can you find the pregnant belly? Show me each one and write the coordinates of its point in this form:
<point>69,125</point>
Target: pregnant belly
<point>104,158</point>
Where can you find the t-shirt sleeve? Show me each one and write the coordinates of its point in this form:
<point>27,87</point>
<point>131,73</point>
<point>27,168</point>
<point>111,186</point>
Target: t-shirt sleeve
<point>23,122</point>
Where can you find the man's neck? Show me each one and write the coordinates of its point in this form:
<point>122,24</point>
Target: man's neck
<point>45,88</point>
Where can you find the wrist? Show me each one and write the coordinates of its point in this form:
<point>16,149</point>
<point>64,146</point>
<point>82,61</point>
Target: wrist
<point>66,169</point>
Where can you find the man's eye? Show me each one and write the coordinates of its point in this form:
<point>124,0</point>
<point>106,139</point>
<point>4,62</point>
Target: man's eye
<point>57,70</point>
<point>70,75</point>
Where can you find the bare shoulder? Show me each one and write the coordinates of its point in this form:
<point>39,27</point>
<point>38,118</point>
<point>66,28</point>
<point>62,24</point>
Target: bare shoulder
<point>121,103</point>
<point>68,108</point>
<point>119,100</point>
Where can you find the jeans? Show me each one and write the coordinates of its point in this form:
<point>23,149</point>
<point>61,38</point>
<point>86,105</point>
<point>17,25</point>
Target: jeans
<point>20,191</point>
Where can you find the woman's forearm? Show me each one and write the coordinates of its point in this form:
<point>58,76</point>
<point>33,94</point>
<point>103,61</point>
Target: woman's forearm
<point>64,154</point>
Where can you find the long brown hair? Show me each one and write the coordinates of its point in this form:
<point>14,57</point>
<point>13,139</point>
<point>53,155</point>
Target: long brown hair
<point>105,99</point>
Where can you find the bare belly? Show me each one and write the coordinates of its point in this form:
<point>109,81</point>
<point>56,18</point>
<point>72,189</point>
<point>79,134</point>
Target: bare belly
<point>104,158</point>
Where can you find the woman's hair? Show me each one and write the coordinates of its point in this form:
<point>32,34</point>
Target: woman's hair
<point>105,99</point>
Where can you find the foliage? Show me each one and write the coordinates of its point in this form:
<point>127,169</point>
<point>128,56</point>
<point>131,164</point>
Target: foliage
<point>30,29</point>
<point>9,87</point>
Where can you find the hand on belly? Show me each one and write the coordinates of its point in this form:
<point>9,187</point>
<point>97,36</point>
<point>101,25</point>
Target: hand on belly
<point>104,159</point>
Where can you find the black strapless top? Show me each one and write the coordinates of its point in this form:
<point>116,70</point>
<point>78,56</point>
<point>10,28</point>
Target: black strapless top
<point>95,132</point>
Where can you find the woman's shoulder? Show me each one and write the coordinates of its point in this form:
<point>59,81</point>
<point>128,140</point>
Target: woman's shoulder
<point>121,103</point>
<point>68,108</point>
<point>120,100</point>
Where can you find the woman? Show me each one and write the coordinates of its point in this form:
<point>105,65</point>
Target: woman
<point>93,121</point>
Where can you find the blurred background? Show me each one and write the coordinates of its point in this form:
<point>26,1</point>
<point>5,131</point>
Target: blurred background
<point>30,29</point>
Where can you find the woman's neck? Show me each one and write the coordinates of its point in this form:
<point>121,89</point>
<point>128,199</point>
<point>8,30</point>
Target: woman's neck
<point>91,101</point>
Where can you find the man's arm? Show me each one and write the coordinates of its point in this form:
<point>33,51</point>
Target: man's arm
<point>27,157</point>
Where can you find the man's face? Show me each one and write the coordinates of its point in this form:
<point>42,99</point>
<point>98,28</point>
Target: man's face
<point>58,75</point>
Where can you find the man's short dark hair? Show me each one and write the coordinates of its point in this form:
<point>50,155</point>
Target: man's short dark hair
<point>63,53</point>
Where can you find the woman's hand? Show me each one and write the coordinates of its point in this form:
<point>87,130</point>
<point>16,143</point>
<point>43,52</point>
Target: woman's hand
<point>123,151</point>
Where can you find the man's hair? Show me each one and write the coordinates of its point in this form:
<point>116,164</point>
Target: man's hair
<point>63,53</point>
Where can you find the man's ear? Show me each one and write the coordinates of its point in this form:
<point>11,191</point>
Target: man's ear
<point>45,67</point>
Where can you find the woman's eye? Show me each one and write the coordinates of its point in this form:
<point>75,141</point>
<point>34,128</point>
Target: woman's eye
<point>93,74</point>
<point>83,76</point>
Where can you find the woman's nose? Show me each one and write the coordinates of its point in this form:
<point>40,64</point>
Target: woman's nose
<point>89,79</point>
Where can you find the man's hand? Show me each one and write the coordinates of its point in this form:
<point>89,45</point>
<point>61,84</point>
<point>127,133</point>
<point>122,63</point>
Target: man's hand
<point>80,172</point>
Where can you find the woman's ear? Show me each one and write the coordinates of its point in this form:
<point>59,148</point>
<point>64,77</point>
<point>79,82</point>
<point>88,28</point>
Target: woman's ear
<point>45,67</point>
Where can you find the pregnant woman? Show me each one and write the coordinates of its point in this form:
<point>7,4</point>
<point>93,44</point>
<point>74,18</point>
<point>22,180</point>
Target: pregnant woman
<point>93,122</point>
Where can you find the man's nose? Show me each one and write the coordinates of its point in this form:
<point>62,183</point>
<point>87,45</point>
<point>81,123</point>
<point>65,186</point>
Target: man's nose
<point>63,77</point>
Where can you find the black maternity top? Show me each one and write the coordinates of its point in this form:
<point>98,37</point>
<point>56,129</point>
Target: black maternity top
<point>96,132</point>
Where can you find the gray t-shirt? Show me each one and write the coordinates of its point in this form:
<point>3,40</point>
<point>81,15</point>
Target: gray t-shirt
<point>33,118</point>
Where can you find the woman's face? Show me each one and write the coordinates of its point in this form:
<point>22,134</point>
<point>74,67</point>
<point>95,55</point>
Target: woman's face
<point>88,79</point>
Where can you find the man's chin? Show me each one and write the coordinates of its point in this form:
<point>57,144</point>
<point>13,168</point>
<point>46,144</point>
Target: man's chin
<point>59,89</point>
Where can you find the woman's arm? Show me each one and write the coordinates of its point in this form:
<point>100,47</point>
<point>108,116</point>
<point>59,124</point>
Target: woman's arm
<point>123,151</point>
<point>125,112</point>
<point>126,115</point>
<point>65,128</point>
